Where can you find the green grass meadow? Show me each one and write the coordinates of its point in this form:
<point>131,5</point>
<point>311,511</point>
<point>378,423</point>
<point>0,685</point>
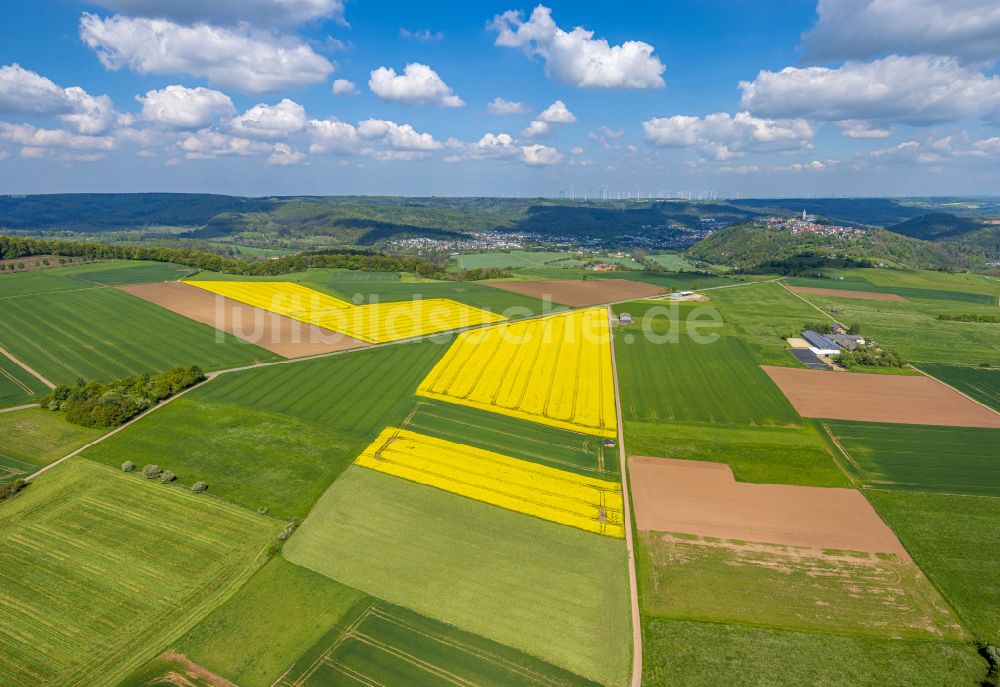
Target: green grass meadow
<point>254,458</point>
<point>982,384</point>
<point>107,334</point>
<point>703,654</point>
<point>686,381</point>
<point>956,542</point>
<point>790,588</point>
<point>33,438</point>
<point>102,569</point>
<point>766,455</point>
<point>238,640</point>
<point>955,460</point>
<point>580,453</point>
<point>558,593</point>
<point>17,385</point>
<point>89,276</point>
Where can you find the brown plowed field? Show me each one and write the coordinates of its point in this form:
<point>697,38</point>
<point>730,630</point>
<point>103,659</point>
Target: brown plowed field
<point>578,294</point>
<point>696,497</point>
<point>879,398</point>
<point>276,333</point>
<point>847,294</point>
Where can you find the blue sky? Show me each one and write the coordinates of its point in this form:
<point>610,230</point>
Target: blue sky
<point>259,97</point>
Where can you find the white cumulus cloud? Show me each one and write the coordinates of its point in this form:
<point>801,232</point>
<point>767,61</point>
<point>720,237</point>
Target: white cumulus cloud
<point>726,136</point>
<point>36,138</point>
<point>538,155</point>
<point>919,90</point>
<point>271,121</point>
<point>499,106</point>
<point>209,144</point>
<point>417,85</point>
<point>239,58</point>
<point>857,128</point>
<point>576,57</point>
<point>23,91</point>
<point>283,155</point>
<point>857,29</point>
<point>180,107</point>
<point>381,139</point>
<point>344,87</point>
<point>544,124</point>
<point>262,12</point>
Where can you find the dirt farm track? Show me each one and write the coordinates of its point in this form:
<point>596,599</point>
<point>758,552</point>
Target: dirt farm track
<point>879,398</point>
<point>276,333</point>
<point>579,294</point>
<point>695,497</point>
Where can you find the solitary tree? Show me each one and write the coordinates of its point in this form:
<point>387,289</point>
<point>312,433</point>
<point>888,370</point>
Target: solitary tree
<point>199,487</point>
<point>128,466</point>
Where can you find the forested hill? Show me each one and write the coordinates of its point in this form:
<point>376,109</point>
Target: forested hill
<point>751,247</point>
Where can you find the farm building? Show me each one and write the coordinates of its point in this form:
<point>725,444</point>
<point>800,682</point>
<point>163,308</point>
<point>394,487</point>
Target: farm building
<point>625,318</point>
<point>820,344</point>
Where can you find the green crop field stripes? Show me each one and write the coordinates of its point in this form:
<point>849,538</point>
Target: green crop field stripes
<point>956,460</point>
<point>956,542</point>
<point>686,381</point>
<point>33,438</point>
<point>557,448</point>
<point>860,284</point>
<point>17,385</point>
<point>107,334</point>
<point>382,644</point>
<point>361,392</point>
<point>553,591</point>
<point>90,276</point>
<point>101,569</point>
<point>982,384</point>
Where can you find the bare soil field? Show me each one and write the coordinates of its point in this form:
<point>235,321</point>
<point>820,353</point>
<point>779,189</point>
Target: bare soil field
<point>879,398</point>
<point>578,294</point>
<point>843,293</point>
<point>276,333</point>
<point>702,498</point>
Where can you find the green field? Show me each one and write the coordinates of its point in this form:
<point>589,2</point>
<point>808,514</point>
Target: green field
<point>103,569</point>
<point>841,592</point>
<point>699,654</point>
<point>912,328</point>
<point>33,438</point>
<point>381,644</point>
<point>678,281</point>
<point>513,259</point>
<point>762,315</point>
<point>980,383</point>
<point>556,592</point>
<point>929,279</point>
<point>107,334</point>
<point>17,385</point>
<point>510,436</point>
<point>239,640</point>
<point>686,381</point>
<point>956,541</point>
<point>111,273</point>
<point>672,261</point>
<point>360,392</point>
<point>909,292</point>
<point>766,455</point>
<point>254,458</point>
<point>956,460</point>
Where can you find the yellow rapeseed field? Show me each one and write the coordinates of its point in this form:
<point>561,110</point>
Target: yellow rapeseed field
<point>554,370</point>
<point>373,323</point>
<point>519,485</point>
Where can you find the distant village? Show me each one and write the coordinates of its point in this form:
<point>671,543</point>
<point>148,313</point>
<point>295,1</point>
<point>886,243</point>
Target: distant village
<point>808,224</point>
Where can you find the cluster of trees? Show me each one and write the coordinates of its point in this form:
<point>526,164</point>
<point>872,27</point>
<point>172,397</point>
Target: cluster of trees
<point>827,327</point>
<point>17,247</point>
<point>869,356</point>
<point>11,489</point>
<point>969,317</point>
<point>109,404</point>
<point>153,471</point>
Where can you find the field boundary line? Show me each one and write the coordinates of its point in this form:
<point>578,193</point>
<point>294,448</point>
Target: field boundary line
<point>22,407</point>
<point>627,513</point>
<point>27,369</point>
<point>801,298</point>
<point>209,377</point>
<point>957,391</point>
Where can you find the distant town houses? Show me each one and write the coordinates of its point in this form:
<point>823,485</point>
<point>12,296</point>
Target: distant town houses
<point>808,224</point>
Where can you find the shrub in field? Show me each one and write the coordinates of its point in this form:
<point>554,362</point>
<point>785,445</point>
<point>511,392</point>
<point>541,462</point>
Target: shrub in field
<point>96,404</point>
<point>11,489</point>
<point>167,477</point>
<point>128,466</point>
<point>866,356</point>
<point>199,487</point>
<point>151,472</point>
